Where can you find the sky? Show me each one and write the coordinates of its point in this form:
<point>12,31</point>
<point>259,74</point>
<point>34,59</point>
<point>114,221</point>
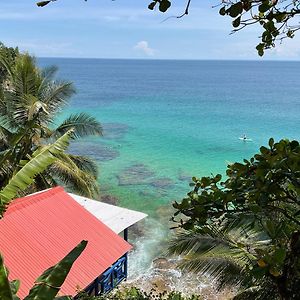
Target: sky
<point>127,29</point>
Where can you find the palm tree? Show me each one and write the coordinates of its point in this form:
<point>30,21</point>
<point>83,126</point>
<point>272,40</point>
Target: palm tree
<point>226,254</point>
<point>39,161</point>
<point>29,104</point>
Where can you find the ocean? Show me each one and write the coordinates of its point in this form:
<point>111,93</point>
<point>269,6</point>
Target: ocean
<point>168,120</point>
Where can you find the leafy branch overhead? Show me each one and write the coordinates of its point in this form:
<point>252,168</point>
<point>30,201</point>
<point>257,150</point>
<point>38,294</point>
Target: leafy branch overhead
<point>249,223</point>
<point>279,19</point>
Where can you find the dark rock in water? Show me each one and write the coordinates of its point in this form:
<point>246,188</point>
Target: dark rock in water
<point>136,230</point>
<point>182,176</point>
<point>96,151</point>
<point>109,199</point>
<point>160,285</point>
<point>106,153</point>
<point>143,193</point>
<point>163,263</point>
<point>161,183</point>
<point>185,177</point>
<point>165,212</point>
<point>135,174</point>
<point>114,131</point>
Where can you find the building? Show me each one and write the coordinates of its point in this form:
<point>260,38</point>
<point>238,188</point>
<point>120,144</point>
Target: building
<point>39,230</point>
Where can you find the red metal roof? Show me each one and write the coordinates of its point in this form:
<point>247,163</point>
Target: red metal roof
<point>39,230</point>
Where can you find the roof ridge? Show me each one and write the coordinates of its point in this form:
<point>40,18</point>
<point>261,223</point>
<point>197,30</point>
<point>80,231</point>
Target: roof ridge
<point>26,201</point>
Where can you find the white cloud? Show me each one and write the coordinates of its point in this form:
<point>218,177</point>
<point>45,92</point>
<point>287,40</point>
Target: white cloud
<point>143,46</point>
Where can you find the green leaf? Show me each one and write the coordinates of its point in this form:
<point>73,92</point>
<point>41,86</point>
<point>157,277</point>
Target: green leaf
<point>260,49</point>
<point>218,177</point>
<point>43,3</point>
<point>41,159</point>
<point>270,226</point>
<point>235,9</point>
<point>236,22</point>
<point>164,5</point>
<point>48,284</point>
<point>82,125</point>
<point>264,7</point>
<point>280,17</point>
<point>5,289</point>
<point>264,150</point>
<point>294,144</point>
<point>279,255</point>
<point>271,142</point>
<point>152,5</point>
<point>15,285</point>
<point>222,11</point>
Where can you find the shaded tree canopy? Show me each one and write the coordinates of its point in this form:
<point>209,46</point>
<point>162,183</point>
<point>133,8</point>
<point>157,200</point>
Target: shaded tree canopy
<point>260,196</point>
<point>279,19</point>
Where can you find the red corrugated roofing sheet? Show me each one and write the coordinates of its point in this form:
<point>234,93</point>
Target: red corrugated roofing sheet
<point>39,230</point>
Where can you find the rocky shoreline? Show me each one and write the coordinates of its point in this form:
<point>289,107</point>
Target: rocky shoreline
<point>164,275</point>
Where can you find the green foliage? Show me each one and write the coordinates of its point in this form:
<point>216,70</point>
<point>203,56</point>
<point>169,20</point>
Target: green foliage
<point>278,19</point>
<point>5,288</point>
<point>40,160</point>
<point>47,285</point>
<point>163,5</point>
<point>134,293</point>
<point>275,17</point>
<point>43,3</point>
<point>9,54</point>
<point>28,109</point>
<point>250,221</point>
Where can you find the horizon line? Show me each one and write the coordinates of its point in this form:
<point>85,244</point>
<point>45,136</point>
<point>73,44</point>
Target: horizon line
<point>171,59</point>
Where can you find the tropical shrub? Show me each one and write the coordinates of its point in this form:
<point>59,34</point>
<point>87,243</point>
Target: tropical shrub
<point>41,158</point>
<point>246,230</point>
<point>134,293</point>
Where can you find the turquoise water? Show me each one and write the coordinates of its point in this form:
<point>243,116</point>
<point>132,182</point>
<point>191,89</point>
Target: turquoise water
<point>179,118</point>
<point>166,121</point>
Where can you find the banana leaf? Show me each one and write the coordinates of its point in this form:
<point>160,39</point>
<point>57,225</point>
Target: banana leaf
<point>49,283</point>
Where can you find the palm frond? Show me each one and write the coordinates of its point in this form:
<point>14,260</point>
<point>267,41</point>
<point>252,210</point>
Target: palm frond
<point>48,74</point>
<point>222,267</point>
<point>75,179</point>
<point>196,241</point>
<point>84,163</point>
<point>225,255</point>
<point>5,64</point>
<point>55,95</point>
<point>23,80</point>
<point>41,159</point>
<point>25,75</point>
<point>5,136</point>
<point>6,172</point>
<point>265,290</point>
<point>82,124</point>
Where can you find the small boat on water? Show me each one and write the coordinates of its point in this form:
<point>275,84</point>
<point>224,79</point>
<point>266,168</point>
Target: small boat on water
<point>245,139</point>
